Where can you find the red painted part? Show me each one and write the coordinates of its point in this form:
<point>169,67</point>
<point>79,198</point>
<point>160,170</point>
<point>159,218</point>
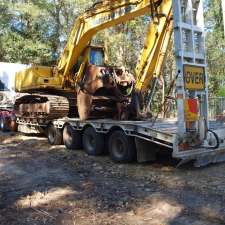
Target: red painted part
<point>193,106</point>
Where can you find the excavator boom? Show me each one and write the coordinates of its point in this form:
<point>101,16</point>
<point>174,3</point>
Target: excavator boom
<point>155,47</point>
<point>109,14</point>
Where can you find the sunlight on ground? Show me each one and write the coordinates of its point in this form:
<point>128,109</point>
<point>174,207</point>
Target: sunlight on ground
<point>6,139</point>
<point>18,141</point>
<point>158,211</point>
<point>42,198</point>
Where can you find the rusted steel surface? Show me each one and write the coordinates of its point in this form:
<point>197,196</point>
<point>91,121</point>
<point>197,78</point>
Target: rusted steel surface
<point>112,84</point>
<point>47,107</point>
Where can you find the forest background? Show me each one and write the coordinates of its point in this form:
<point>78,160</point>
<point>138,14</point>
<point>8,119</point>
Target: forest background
<point>35,31</point>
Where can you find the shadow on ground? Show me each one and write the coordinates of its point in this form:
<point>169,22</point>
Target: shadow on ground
<point>42,184</point>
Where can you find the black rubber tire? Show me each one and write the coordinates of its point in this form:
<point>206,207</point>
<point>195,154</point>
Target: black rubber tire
<point>93,142</point>
<point>3,126</point>
<point>121,147</point>
<point>54,135</point>
<point>72,138</point>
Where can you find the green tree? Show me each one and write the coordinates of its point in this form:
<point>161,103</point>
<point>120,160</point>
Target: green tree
<point>34,31</point>
<point>215,45</point>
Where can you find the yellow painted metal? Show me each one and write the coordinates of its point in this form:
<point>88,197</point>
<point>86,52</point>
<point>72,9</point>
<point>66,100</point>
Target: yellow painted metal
<point>42,77</point>
<point>80,72</point>
<point>36,77</point>
<point>194,77</point>
<point>156,44</point>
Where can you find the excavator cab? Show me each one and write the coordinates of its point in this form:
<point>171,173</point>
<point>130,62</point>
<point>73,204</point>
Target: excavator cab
<point>94,55</point>
<point>97,55</point>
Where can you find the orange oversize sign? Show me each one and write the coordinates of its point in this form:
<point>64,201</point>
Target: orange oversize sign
<point>194,77</point>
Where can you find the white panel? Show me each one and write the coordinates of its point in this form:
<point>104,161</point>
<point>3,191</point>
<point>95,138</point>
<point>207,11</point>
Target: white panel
<point>8,73</point>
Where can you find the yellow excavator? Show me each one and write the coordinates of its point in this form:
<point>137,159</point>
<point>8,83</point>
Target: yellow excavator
<point>82,84</point>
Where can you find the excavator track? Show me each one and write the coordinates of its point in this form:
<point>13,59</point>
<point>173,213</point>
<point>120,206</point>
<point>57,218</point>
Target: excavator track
<point>47,107</point>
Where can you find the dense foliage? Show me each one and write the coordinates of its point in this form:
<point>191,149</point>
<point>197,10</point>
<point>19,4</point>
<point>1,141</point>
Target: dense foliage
<point>35,31</point>
<point>215,46</point>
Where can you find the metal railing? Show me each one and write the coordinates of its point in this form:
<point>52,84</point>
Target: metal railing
<point>217,108</point>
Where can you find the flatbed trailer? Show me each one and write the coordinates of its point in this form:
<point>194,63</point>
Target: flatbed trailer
<point>149,137</point>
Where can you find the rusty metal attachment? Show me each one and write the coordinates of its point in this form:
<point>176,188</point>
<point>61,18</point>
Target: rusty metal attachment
<point>104,85</point>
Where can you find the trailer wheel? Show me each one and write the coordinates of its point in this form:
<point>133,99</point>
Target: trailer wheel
<point>93,142</point>
<point>3,126</point>
<point>121,147</point>
<point>71,138</point>
<point>54,135</point>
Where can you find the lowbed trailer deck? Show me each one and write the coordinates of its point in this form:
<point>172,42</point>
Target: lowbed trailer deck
<point>148,137</point>
<point>162,133</point>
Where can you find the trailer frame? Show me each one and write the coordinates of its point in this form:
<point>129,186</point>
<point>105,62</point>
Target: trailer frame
<point>163,134</point>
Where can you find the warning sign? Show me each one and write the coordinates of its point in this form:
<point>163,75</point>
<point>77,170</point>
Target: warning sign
<point>194,77</point>
<point>191,110</point>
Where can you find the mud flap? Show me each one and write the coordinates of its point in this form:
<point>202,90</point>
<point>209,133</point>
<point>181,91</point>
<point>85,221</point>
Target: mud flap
<point>145,150</point>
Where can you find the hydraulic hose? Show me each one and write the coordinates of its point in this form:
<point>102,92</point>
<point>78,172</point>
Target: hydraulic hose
<point>217,140</point>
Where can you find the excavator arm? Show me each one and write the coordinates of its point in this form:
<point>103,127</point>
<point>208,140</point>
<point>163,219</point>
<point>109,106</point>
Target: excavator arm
<point>109,13</point>
<point>158,36</point>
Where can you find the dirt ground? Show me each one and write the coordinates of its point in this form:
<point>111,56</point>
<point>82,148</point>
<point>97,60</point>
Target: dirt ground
<point>42,184</point>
